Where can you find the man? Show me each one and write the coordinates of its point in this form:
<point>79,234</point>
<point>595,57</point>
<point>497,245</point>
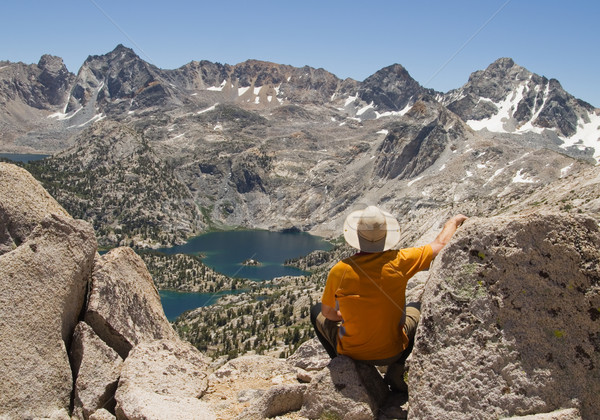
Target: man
<point>363,313</point>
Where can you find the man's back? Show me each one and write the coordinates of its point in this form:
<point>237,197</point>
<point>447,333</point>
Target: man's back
<point>368,289</point>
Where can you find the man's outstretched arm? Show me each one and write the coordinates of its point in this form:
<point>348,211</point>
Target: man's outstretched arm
<point>447,232</point>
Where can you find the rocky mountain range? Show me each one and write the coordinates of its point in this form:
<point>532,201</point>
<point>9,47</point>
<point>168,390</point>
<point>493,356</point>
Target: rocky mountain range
<point>272,146</point>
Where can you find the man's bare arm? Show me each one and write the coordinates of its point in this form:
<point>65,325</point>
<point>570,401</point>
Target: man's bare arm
<point>330,313</point>
<point>447,232</point>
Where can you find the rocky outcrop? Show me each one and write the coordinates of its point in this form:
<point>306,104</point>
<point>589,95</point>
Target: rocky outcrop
<point>44,85</point>
<point>510,321</point>
<point>124,306</point>
<point>240,382</point>
<point>23,206</point>
<point>414,145</point>
<point>119,81</point>
<point>277,400</point>
<point>43,284</point>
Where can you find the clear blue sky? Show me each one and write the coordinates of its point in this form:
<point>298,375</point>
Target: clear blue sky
<point>440,42</point>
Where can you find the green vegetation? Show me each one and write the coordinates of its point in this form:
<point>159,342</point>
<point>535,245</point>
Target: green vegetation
<point>270,317</point>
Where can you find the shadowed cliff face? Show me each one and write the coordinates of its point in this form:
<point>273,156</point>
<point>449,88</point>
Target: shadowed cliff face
<point>414,145</point>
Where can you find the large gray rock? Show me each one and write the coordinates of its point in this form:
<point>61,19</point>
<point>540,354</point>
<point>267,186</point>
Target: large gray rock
<point>163,379</point>
<point>311,355</point>
<point>42,291</point>
<point>345,389</point>
<point>510,321</point>
<point>96,368</point>
<point>124,307</point>
<point>277,400</point>
<point>23,205</point>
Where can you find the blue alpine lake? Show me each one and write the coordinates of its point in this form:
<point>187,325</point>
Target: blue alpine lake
<point>175,303</point>
<point>226,252</point>
<point>21,157</point>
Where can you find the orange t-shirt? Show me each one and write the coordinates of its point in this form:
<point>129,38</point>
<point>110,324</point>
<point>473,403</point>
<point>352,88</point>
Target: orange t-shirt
<point>369,291</point>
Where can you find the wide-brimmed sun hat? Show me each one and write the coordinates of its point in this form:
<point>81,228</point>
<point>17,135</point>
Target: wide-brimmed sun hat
<point>371,230</point>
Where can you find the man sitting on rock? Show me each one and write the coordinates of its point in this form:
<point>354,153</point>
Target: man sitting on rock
<point>363,313</point>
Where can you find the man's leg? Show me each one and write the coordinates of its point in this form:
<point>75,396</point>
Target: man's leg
<point>395,372</point>
<point>325,329</point>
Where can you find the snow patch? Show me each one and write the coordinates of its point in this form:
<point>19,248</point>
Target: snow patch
<point>61,116</point>
<point>521,177</point>
<point>218,88</point>
<point>350,100</point>
<point>564,171</point>
<point>587,135</point>
<point>243,90</point>
<point>414,180</point>
<point>506,108</point>
<point>442,167</point>
<point>394,113</point>
<point>364,109</point>
<point>384,132</point>
<point>498,172</point>
<point>95,118</point>
<point>208,109</point>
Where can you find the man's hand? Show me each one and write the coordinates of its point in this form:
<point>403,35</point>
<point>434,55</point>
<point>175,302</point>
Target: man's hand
<point>447,232</point>
<point>330,313</point>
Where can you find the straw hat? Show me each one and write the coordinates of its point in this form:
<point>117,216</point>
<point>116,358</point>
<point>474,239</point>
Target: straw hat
<point>371,230</point>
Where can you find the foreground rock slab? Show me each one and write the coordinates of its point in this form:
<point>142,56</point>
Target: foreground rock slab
<point>511,321</point>
<point>345,389</point>
<point>96,368</point>
<point>163,379</point>
<point>240,383</point>
<point>42,291</point>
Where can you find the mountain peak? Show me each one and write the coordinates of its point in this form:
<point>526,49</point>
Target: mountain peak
<point>391,89</point>
<point>503,62</point>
